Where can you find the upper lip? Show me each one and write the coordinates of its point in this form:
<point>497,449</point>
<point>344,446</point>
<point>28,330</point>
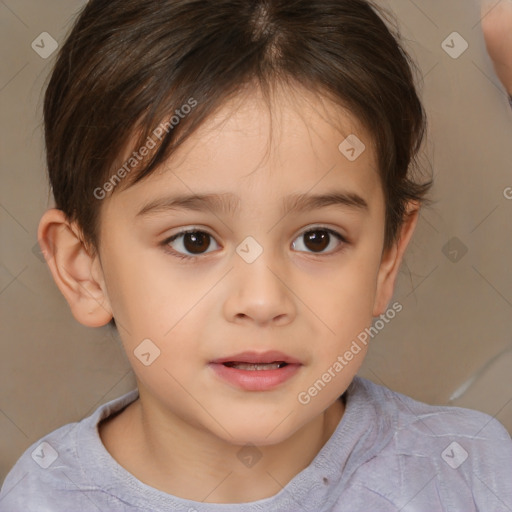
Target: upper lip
<point>251,357</point>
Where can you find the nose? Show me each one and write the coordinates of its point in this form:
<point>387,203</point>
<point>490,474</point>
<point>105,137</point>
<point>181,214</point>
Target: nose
<point>260,292</point>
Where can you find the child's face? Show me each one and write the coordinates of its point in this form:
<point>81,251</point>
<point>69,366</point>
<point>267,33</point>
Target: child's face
<point>308,301</point>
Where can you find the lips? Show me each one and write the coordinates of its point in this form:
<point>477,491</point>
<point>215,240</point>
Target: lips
<point>253,371</point>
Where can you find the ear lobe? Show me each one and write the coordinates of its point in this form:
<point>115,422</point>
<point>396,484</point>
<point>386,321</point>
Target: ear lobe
<point>77,273</point>
<point>392,259</point>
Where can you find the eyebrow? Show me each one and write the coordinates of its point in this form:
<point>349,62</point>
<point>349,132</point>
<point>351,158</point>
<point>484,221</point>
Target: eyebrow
<point>229,203</point>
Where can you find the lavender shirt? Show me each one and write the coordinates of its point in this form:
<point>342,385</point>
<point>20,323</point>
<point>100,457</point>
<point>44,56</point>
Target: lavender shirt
<point>388,453</point>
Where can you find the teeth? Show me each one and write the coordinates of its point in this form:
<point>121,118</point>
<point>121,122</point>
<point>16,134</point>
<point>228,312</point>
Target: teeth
<point>259,366</point>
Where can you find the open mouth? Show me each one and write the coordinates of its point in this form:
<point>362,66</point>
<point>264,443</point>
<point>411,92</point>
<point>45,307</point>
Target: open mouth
<point>255,366</point>
<point>256,371</point>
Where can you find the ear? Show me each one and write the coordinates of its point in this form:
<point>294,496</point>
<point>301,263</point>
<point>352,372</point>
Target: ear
<point>392,259</point>
<point>77,273</point>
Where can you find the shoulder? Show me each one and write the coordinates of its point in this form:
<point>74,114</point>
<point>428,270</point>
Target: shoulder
<point>52,473</point>
<point>39,475</point>
<point>452,454</point>
<point>414,417</point>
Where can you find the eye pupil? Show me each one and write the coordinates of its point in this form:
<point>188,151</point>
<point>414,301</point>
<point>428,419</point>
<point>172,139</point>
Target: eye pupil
<point>199,241</point>
<point>319,241</point>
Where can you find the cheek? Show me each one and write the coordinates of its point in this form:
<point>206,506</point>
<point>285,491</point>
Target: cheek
<point>140,297</point>
<point>151,300</point>
<point>346,298</point>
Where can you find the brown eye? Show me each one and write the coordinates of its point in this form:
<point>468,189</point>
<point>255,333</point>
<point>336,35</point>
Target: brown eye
<point>317,240</point>
<point>193,242</point>
<point>196,241</point>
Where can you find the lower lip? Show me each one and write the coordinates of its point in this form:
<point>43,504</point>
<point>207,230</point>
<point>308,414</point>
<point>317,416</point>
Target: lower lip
<point>255,380</point>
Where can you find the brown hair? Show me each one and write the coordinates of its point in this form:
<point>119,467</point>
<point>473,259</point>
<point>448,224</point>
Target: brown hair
<point>128,65</point>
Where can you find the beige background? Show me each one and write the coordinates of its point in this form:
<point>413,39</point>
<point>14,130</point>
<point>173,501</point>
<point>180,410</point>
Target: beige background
<point>455,326</point>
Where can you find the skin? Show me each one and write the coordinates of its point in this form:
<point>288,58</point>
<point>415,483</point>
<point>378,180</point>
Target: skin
<point>497,29</point>
<point>183,434</point>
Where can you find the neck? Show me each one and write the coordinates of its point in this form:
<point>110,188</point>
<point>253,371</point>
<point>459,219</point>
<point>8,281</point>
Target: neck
<point>192,463</point>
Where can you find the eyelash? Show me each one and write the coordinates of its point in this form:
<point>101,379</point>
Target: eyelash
<point>172,252</point>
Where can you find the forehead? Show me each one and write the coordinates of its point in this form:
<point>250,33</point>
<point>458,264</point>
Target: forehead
<point>293,122</point>
<point>296,141</point>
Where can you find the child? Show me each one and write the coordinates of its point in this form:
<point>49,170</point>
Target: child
<point>255,128</point>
